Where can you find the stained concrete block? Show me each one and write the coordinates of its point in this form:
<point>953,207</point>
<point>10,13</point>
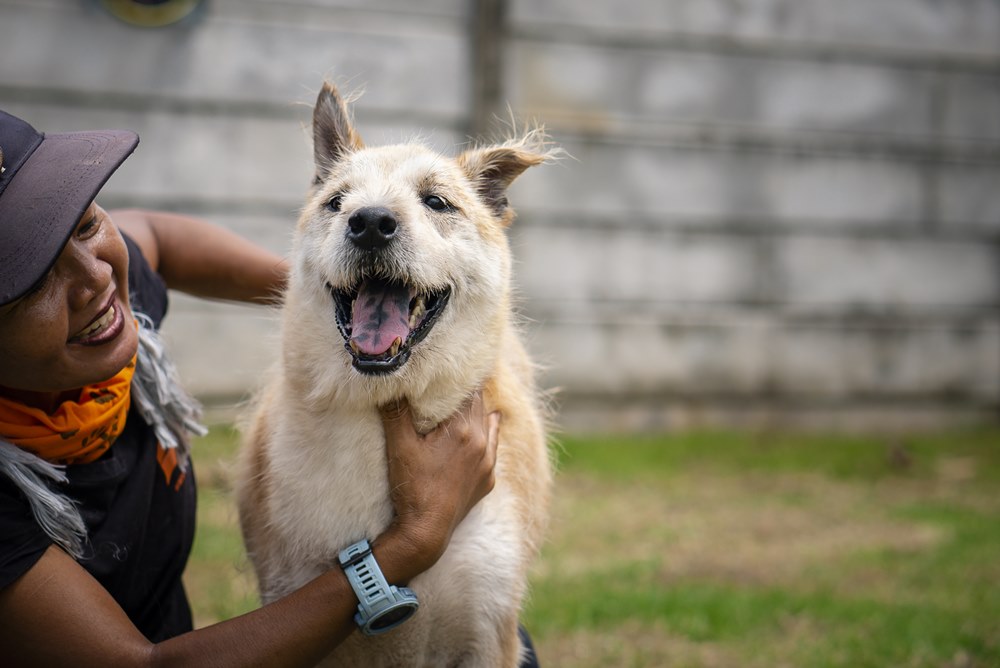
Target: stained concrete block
<point>616,179</point>
<point>881,275</point>
<point>844,96</point>
<point>972,107</point>
<point>632,267</point>
<point>897,359</point>
<point>849,192</point>
<point>625,353</point>
<point>236,61</point>
<point>770,92</point>
<point>187,156</point>
<point>455,8</point>
<point>969,198</point>
<point>754,355</point>
<point>970,27</point>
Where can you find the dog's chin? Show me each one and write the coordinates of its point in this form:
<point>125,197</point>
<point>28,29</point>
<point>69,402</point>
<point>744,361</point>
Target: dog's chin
<point>422,311</point>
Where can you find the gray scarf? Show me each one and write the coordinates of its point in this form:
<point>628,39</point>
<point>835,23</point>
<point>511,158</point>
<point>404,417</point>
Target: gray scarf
<point>162,403</point>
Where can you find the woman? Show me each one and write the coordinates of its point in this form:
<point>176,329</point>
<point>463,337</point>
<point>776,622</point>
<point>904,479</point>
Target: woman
<point>83,385</point>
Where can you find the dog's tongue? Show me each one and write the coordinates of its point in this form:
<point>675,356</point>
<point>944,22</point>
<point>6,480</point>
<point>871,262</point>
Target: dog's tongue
<point>381,313</point>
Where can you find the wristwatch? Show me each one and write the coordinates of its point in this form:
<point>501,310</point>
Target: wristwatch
<point>381,606</point>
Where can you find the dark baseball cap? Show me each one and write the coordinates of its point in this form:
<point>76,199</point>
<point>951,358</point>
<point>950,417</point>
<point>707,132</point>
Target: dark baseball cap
<point>47,181</point>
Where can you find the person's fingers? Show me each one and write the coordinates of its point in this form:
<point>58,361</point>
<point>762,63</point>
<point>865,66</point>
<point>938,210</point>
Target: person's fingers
<point>492,436</point>
<point>493,433</point>
<point>397,421</point>
<point>476,408</point>
<point>463,425</point>
<point>489,457</point>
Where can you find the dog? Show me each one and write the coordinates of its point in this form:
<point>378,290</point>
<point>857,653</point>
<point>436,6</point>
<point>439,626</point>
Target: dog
<point>420,237</point>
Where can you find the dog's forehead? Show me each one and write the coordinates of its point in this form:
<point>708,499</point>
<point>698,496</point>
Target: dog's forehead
<point>401,163</point>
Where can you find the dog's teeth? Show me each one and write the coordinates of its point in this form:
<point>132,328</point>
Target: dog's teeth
<point>354,346</point>
<point>419,306</point>
<point>394,348</point>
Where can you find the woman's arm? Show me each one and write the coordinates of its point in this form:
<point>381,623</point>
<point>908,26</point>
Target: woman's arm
<point>202,259</point>
<point>56,614</point>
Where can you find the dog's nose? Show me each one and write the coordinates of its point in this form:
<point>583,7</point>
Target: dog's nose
<point>371,227</point>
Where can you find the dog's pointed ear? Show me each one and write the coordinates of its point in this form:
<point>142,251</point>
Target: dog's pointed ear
<point>492,169</point>
<point>334,135</point>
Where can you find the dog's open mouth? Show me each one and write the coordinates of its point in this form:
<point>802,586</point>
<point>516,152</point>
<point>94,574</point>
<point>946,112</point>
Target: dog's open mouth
<point>382,320</point>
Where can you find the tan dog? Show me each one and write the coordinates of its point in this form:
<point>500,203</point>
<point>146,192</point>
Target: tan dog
<point>400,287</point>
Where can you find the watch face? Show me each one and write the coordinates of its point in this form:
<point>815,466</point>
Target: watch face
<point>391,617</point>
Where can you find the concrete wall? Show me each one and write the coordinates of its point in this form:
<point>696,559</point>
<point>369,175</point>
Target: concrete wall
<point>776,211</point>
<point>780,210</point>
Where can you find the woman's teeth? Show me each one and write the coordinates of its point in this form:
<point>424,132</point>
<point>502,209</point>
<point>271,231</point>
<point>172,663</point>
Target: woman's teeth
<point>98,325</point>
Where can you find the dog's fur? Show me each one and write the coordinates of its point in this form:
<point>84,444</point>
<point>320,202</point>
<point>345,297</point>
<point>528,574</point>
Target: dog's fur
<point>313,472</point>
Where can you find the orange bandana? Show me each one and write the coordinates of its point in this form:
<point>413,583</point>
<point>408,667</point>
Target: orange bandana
<point>79,431</point>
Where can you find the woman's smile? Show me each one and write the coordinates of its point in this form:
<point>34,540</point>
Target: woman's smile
<point>103,328</point>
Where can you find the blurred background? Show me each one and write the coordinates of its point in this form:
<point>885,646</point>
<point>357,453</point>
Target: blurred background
<point>766,284</point>
<point>776,211</point>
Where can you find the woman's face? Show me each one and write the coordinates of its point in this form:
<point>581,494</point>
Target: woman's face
<point>75,327</point>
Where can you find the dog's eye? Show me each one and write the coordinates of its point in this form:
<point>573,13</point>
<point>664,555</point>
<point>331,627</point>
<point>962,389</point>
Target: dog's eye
<point>334,204</point>
<point>436,203</point>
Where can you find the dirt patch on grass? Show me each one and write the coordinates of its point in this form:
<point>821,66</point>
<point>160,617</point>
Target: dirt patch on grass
<point>752,529</point>
<point>631,644</point>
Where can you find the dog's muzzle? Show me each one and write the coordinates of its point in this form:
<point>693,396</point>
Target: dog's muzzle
<point>381,320</point>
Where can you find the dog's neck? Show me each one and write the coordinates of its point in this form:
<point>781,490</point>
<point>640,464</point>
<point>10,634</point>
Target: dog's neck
<point>433,408</point>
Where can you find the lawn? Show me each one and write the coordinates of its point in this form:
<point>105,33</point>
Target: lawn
<point>732,549</point>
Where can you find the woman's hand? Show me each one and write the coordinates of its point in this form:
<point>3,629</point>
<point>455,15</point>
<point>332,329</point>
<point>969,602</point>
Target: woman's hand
<point>435,479</point>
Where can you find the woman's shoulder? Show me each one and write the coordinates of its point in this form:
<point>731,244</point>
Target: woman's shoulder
<point>147,291</point>
<point>22,541</point>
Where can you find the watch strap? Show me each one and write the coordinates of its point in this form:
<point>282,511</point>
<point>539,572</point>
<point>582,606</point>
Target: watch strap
<point>376,597</point>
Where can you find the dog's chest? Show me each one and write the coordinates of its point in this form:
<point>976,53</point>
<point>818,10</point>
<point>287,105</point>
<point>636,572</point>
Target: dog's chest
<point>331,486</point>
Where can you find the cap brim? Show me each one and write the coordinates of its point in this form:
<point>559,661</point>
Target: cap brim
<point>46,198</point>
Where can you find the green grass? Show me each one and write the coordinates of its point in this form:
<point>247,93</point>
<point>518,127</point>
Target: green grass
<point>218,578</point>
<point>733,549</point>
<point>839,456</point>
